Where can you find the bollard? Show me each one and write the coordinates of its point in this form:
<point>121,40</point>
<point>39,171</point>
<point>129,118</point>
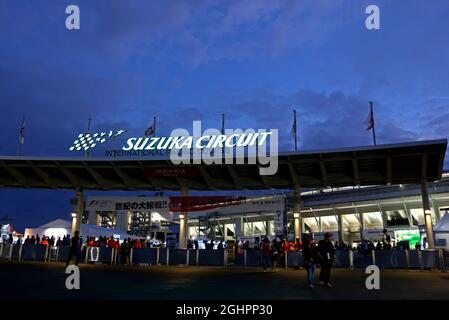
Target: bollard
<point>157,257</point>
<point>225,257</point>
<point>351,260</point>
<point>20,253</point>
<point>47,254</point>
<point>244,258</point>
<point>407,259</point>
<point>286,259</point>
<point>187,257</point>
<point>1,249</point>
<point>197,257</point>
<point>57,254</point>
<point>131,257</point>
<point>10,252</point>
<point>373,256</point>
<point>112,256</point>
<point>441,258</point>
<point>421,267</point>
<point>87,252</point>
<point>167,258</point>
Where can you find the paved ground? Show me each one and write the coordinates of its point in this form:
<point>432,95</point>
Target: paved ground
<point>33,280</point>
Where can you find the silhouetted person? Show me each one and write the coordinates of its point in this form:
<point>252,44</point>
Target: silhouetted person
<point>326,253</point>
<point>310,255</point>
<point>74,249</point>
<point>386,240</point>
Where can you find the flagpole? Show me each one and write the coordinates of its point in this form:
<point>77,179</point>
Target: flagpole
<point>374,124</point>
<point>154,126</point>
<point>223,151</point>
<point>222,123</point>
<point>296,138</point>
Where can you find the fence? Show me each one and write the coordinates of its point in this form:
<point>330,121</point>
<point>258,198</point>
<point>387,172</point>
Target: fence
<point>403,259</point>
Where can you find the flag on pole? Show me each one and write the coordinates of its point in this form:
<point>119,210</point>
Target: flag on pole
<point>370,119</point>
<point>294,131</point>
<point>22,132</point>
<point>370,123</point>
<point>151,131</point>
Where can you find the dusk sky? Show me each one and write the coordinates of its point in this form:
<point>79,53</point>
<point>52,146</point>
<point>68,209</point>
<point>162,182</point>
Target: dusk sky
<point>181,61</point>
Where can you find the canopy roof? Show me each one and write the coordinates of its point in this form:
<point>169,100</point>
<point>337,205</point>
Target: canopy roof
<point>374,165</point>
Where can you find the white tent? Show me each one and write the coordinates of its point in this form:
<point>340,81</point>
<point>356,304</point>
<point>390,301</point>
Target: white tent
<point>60,228</point>
<point>443,224</point>
<point>441,231</point>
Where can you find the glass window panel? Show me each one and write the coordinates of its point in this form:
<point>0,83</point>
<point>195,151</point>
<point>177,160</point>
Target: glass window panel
<point>373,220</point>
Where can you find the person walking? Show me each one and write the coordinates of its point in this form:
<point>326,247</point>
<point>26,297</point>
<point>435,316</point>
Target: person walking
<point>275,255</point>
<point>310,253</point>
<point>74,249</point>
<point>386,240</point>
<point>326,254</point>
<point>266,254</point>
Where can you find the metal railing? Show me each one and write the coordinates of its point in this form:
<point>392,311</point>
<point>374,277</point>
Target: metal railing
<point>345,259</point>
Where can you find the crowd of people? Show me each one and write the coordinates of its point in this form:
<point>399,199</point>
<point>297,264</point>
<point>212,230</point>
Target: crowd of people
<point>272,253</point>
<point>322,253</point>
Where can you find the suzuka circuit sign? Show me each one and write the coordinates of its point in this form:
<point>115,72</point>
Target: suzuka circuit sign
<point>88,141</point>
<point>210,146</point>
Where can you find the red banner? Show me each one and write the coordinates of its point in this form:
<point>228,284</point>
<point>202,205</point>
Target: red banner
<point>200,203</point>
<point>171,172</point>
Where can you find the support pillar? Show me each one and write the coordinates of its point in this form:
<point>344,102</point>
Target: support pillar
<point>297,206</point>
<point>183,219</point>
<point>340,224</point>
<point>122,220</point>
<point>78,212</point>
<point>92,217</point>
<point>436,210</point>
<point>268,227</point>
<point>362,225</point>
<point>427,214</point>
<point>239,228</point>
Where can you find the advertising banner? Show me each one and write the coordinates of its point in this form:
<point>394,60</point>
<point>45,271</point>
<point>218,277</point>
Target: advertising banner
<point>269,204</point>
<point>279,222</point>
<point>158,204</point>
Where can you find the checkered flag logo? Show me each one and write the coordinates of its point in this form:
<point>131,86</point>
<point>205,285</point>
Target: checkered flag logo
<point>86,141</point>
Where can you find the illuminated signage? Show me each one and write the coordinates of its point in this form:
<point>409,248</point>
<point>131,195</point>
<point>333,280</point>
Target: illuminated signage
<point>86,141</point>
<point>189,142</point>
<point>89,141</point>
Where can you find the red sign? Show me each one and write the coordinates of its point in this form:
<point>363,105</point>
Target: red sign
<point>171,172</point>
<point>200,203</point>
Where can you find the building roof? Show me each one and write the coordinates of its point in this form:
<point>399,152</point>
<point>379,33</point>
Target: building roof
<point>373,165</point>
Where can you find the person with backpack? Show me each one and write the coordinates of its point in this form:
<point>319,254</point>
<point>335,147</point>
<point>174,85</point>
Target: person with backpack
<point>265,249</point>
<point>310,254</point>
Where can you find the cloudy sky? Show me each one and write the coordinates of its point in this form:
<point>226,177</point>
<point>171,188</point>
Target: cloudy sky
<point>255,61</point>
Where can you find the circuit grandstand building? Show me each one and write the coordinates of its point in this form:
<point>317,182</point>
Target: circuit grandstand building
<point>352,192</point>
